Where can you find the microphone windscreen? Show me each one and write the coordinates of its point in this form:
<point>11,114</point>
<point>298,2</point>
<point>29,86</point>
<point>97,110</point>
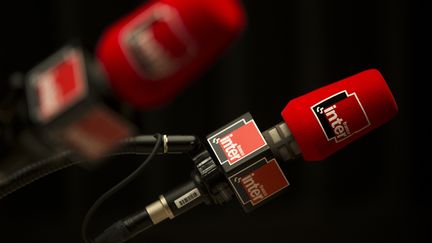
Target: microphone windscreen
<point>153,53</point>
<point>327,119</point>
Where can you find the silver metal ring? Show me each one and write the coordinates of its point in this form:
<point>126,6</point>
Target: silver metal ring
<point>165,144</point>
<point>166,207</point>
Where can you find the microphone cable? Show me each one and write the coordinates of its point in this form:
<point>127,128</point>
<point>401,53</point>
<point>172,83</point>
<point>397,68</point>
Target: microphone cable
<point>138,145</point>
<point>34,172</point>
<point>91,212</point>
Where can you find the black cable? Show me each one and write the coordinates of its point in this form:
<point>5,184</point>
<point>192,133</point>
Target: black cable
<point>34,172</point>
<point>139,145</point>
<point>88,217</point>
<point>42,168</point>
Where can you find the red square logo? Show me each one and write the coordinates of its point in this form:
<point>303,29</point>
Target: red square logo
<point>59,86</point>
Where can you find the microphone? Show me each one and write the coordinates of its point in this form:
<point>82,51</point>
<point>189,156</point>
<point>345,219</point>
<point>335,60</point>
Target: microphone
<point>146,58</point>
<point>153,53</point>
<point>328,119</point>
<point>241,160</point>
<point>316,125</point>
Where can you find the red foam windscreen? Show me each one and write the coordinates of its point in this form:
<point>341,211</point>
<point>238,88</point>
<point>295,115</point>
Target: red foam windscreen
<point>153,53</point>
<point>329,118</point>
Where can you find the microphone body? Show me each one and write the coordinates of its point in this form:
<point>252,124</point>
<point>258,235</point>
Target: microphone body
<point>242,160</point>
<point>146,58</point>
<point>315,126</point>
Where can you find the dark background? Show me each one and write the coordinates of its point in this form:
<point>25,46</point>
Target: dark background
<point>375,190</point>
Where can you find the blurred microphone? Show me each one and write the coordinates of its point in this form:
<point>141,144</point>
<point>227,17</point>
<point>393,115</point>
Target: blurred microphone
<point>153,53</point>
<point>243,161</point>
<point>146,58</point>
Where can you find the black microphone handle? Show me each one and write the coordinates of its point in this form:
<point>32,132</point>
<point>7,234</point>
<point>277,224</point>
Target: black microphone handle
<point>169,205</point>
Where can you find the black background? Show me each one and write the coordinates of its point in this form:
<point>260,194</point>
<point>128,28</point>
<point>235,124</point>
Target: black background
<point>375,190</point>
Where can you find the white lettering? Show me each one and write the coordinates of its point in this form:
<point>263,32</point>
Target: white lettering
<point>232,150</point>
<point>338,124</point>
<point>255,190</point>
